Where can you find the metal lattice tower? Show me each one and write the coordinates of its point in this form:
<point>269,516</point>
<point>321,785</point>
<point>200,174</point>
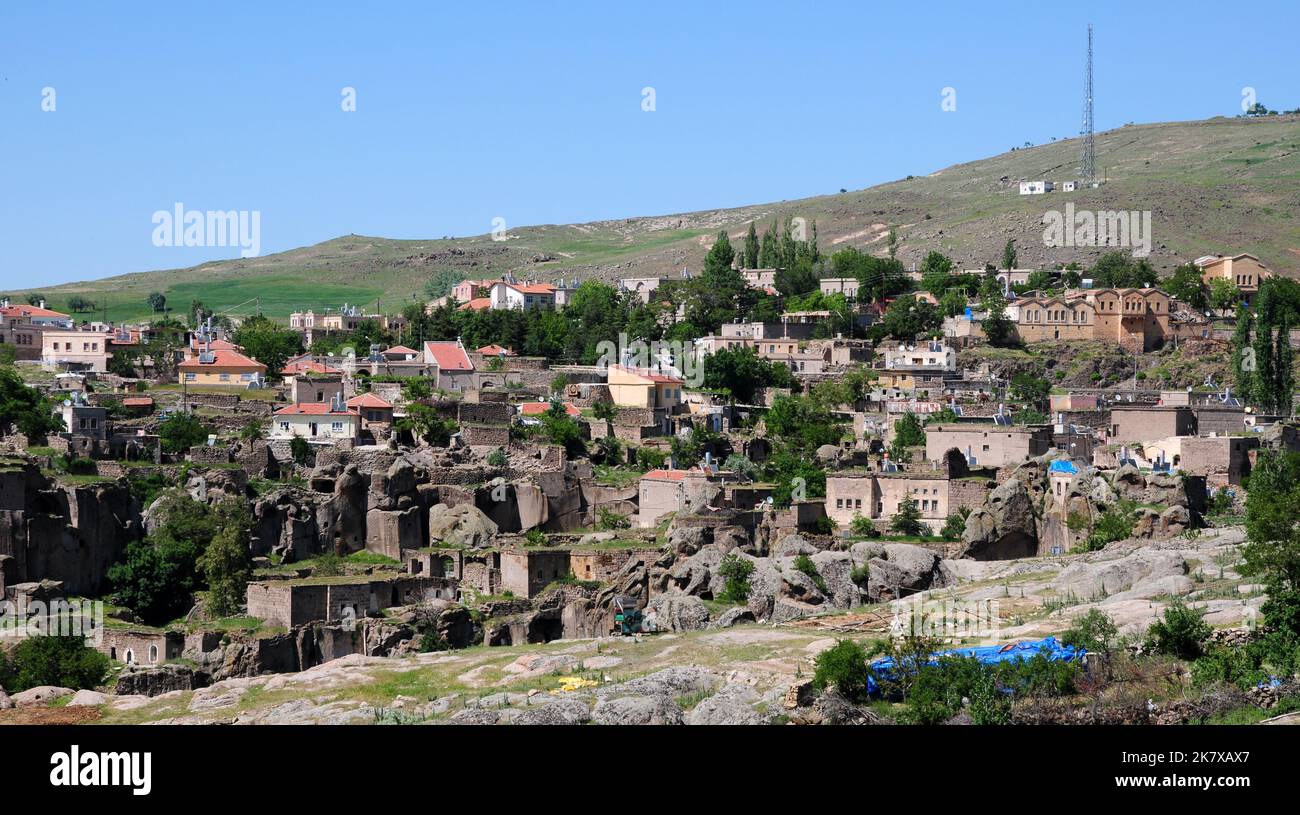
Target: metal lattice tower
<point>1088,167</point>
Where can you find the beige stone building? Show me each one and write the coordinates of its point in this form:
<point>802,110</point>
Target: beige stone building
<point>635,387</point>
<point>988,445</point>
<point>1243,271</point>
<point>1136,319</point>
<point>1147,424</point>
<point>876,496</point>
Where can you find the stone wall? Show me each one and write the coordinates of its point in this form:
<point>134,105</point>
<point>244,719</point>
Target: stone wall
<point>483,413</point>
<point>483,435</point>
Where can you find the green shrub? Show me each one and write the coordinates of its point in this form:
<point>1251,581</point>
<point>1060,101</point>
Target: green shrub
<point>608,519</point>
<point>735,572</point>
<point>955,526</point>
<point>650,459</point>
<point>804,564</point>
<point>843,665</point>
<point>1181,633</point>
<point>497,458</point>
<point>1094,631</point>
<point>299,449</point>
<point>63,661</point>
<point>861,526</point>
<point>860,575</point>
<point>535,537</point>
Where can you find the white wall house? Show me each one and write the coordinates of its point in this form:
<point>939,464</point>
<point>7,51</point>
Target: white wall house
<point>1035,187</point>
<point>315,421</point>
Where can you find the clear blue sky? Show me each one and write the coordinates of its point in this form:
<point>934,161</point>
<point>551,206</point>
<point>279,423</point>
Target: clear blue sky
<point>532,112</point>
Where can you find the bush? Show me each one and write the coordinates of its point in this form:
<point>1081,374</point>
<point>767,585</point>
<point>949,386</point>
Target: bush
<point>1094,631</point>
<point>63,661</point>
<point>608,519</point>
<point>861,526</point>
<point>955,526</point>
<point>860,575</point>
<point>735,572</point>
<point>650,459</point>
<point>843,665</point>
<point>181,431</point>
<point>1181,633</point>
<point>535,537</point>
<point>804,564</point>
<point>497,458</point>
<point>299,449</point>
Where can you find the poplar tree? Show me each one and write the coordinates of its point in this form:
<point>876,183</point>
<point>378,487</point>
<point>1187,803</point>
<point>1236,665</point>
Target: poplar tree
<point>751,247</point>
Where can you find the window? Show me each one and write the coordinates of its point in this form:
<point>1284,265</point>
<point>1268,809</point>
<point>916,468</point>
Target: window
<point>284,426</point>
<point>224,377</point>
<point>337,427</point>
<point>190,377</point>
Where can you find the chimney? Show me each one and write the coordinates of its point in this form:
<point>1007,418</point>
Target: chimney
<point>42,305</point>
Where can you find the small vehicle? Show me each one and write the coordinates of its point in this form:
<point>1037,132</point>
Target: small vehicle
<point>628,618</point>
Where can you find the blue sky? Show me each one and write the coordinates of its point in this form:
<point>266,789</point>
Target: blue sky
<point>532,112</point>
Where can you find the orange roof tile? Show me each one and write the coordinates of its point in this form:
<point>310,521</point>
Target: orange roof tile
<point>313,409</point>
<point>222,359</point>
<point>448,356</point>
<point>369,400</point>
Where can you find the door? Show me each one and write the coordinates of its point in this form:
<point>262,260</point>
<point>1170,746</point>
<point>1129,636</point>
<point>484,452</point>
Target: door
<point>313,428</point>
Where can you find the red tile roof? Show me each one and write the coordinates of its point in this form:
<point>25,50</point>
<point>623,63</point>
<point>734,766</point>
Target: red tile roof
<point>531,288</point>
<point>137,401</point>
<point>222,359</point>
<point>539,408</point>
<point>477,304</point>
<point>313,409</point>
<point>448,356</point>
<point>399,349</point>
<point>369,400</point>
<point>31,311</point>
<point>308,366</point>
<point>495,351</point>
<point>658,379</point>
<point>665,475</point>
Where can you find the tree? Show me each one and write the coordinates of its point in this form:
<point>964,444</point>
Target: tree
<point>157,576</point>
<point>936,273</point>
<point>907,318</point>
<point>735,571</point>
<point>891,243</point>
<point>1243,365</point>
<point>1224,294</point>
<point>907,520</point>
<point>751,247</point>
<point>560,428</point>
<point>908,431</point>
<point>742,372</point>
<point>181,431</point>
<point>844,666</point>
<point>1264,390</point>
<point>998,328</point>
<point>226,565</point>
<point>1283,373</point>
<point>955,525</point>
<point>1029,387</point>
<point>425,423</point>
<point>78,304</point>
<point>60,660</point>
<point>1181,632</point>
<point>1009,257</point>
<point>953,302</point>
<point>25,408</point>
<point>1187,284</point>
<point>441,282</point>
<point>35,298</point>
<point>157,301</point>
<point>268,343</point>
<point>299,450</point>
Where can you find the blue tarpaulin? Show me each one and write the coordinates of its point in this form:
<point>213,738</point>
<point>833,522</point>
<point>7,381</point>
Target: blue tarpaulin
<point>1050,647</point>
<point>1063,465</point>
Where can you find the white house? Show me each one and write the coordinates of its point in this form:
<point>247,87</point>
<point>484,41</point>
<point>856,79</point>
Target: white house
<point>933,354</point>
<point>1035,187</point>
<point>315,421</point>
<point>504,294</point>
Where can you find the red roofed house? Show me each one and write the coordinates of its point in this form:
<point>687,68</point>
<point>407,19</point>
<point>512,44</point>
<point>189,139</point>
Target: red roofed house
<point>315,421</point>
<point>477,304</point>
<point>540,408</point>
<point>495,351</point>
<point>399,353</point>
<point>455,371</point>
<point>198,346</point>
<point>307,366</point>
<point>221,367</point>
<point>468,290</point>
<point>371,409</point>
<point>33,315</point>
<point>636,387</point>
<point>664,491</point>
<point>506,295</point>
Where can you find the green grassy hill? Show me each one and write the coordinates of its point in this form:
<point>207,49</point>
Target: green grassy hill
<point>1219,185</point>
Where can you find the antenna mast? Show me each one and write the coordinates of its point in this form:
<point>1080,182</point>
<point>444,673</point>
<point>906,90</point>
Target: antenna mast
<point>1088,168</point>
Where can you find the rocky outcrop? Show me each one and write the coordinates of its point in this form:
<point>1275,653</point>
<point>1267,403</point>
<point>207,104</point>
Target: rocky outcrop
<point>1005,527</point>
<point>153,681</point>
<point>898,570</point>
<point>463,525</point>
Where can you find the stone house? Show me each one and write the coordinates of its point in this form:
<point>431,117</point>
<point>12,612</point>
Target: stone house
<point>988,445</point>
<point>1136,319</point>
<point>290,603</point>
<point>1148,424</point>
<point>877,495</point>
<point>1243,271</point>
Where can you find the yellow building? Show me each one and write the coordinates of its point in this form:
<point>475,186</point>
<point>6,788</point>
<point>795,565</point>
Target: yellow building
<point>221,367</point>
<point>634,387</point>
<point>1243,271</point>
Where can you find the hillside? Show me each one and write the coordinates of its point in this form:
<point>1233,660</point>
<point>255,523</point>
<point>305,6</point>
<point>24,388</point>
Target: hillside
<point>1213,185</point>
